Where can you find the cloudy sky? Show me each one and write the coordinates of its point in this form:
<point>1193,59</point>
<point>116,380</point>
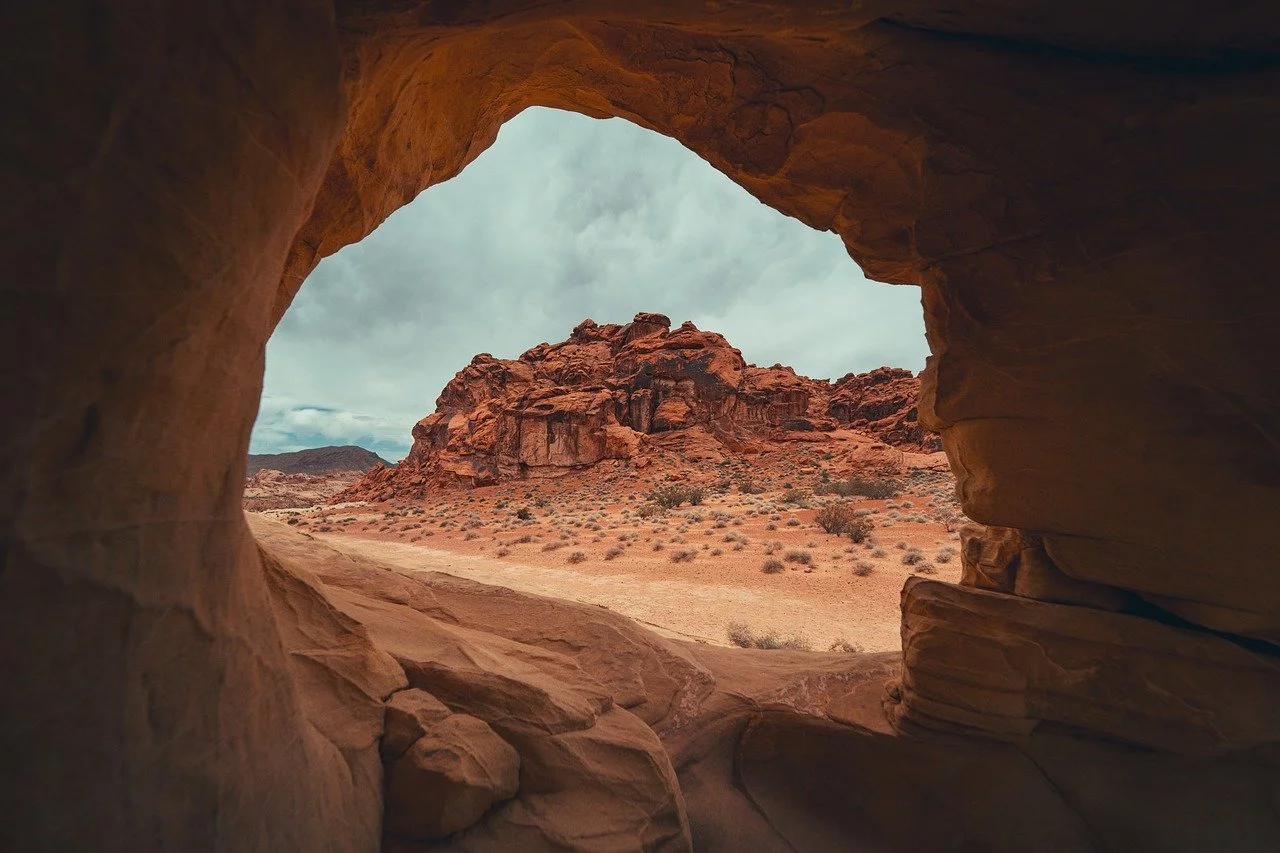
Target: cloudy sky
<point>564,218</point>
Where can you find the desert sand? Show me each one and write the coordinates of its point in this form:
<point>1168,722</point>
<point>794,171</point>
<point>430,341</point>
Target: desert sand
<point>691,571</point>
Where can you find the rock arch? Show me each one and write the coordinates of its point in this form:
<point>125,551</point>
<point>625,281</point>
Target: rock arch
<point>1082,197</point>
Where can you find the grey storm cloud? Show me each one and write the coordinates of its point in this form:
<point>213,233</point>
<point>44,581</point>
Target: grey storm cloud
<point>564,218</point>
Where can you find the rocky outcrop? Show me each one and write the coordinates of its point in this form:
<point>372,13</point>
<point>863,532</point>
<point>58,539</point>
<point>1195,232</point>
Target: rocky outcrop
<point>1007,664</point>
<point>268,489</point>
<point>883,403</point>
<point>616,391</point>
<point>317,460</point>
<point>535,724</point>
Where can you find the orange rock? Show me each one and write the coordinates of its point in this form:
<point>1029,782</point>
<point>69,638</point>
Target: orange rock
<point>610,391</point>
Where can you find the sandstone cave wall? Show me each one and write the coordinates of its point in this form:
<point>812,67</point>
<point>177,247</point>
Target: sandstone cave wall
<point>1084,198</point>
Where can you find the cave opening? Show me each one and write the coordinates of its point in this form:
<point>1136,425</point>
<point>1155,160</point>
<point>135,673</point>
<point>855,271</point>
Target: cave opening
<point>564,219</point>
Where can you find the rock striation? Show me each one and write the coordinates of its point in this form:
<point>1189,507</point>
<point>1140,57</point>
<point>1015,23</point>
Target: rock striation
<point>507,721</point>
<point>621,391</point>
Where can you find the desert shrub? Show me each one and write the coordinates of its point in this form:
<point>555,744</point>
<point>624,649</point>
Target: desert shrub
<point>748,486</point>
<point>862,568</point>
<point>879,553</point>
<point>293,519</point>
<point>552,546</point>
<point>524,513</point>
<point>577,557</point>
<point>927,569</point>
<point>799,497</point>
<point>859,529</point>
<point>843,645</point>
<point>841,519</point>
<point>695,495</point>
<point>684,556</point>
<point>944,556</point>
<point>658,546</point>
<point>834,518</point>
<point>793,522</point>
<point>772,566</point>
<point>671,496</point>
<point>912,558</point>
<point>804,558</point>
<point>740,635</point>
<point>716,552</point>
<point>794,643</point>
<point>649,510</point>
<point>502,552</point>
<point>867,487</point>
<point>615,551</point>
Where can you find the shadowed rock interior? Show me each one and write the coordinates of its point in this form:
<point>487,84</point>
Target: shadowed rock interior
<point>1083,195</point>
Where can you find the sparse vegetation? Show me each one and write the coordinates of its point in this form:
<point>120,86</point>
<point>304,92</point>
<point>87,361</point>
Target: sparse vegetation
<point>672,496</point>
<point>867,487</point>
<point>797,497</point>
<point>772,566</point>
<point>743,637</point>
<point>577,557</point>
<point>683,556</point>
<point>803,558</point>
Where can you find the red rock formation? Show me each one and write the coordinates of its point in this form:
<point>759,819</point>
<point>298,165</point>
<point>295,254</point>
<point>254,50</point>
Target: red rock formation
<point>614,391</point>
<point>883,402</point>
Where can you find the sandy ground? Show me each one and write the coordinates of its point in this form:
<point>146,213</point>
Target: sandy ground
<point>692,571</point>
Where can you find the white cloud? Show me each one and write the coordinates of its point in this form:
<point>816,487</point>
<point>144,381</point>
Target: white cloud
<point>565,217</point>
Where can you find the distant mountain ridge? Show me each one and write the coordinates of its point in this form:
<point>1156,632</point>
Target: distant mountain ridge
<point>317,460</point>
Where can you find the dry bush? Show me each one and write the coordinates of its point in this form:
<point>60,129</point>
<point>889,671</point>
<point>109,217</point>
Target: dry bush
<point>685,556</point>
<point>615,551</point>
<point>843,645</point>
<point>804,558</point>
<point>798,497</point>
<point>577,557</point>
<point>672,496</point>
<point>867,487</point>
<point>740,635</point>
<point>772,566</point>
<point>862,569</point>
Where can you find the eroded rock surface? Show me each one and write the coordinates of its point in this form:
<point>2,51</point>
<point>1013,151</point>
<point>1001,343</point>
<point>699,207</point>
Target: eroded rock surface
<point>678,746</point>
<point>621,391</point>
<point>1084,193</point>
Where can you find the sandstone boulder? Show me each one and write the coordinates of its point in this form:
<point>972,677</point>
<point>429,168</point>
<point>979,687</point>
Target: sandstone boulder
<point>448,778</point>
<point>1006,665</point>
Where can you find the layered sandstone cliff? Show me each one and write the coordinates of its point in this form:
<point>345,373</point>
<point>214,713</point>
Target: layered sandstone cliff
<point>623,391</point>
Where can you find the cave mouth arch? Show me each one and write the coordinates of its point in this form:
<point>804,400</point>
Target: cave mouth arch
<point>567,217</point>
<point>1083,201</point>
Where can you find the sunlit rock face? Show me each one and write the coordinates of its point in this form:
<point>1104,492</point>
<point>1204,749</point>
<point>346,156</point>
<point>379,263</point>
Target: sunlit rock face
<point>1083,196</point>
<point>623,392</point>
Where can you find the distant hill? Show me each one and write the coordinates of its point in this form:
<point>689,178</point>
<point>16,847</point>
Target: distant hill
<point>317,460</point>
